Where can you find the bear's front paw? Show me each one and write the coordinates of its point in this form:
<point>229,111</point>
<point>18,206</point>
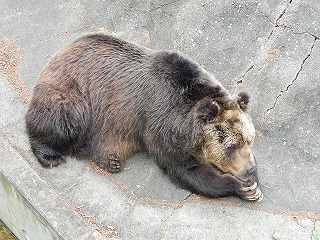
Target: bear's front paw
<point>251,193</point>
<point>112,164</point>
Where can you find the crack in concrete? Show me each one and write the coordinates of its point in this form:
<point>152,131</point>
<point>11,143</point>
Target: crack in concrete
<point>313,230</point>
<point>239,80</point>
<point>245,74</point>
<point>163,5</point>
<point>276,24</point>
<point>306,228</point>
<point>265,15</point>
<point>299,33</point>
<point>107,231</point>
<point>177,207</point>
<point>283,26</point>
<point>294,79</point>
<point>180,205</point>
<point>167,218</point>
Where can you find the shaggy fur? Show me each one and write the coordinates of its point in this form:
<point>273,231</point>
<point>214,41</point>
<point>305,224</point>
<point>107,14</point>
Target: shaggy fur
<point>104,98</point>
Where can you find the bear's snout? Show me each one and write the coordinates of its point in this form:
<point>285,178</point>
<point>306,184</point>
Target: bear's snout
<point>252,170</point>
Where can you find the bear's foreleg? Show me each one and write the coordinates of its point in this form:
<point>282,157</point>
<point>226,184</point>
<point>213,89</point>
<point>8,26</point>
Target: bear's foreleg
<point>206,180</point>
<point>110,162</point>
<point>113,153</point>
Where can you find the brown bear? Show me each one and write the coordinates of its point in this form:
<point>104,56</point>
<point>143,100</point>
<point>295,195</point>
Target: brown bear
<point>106,99</point>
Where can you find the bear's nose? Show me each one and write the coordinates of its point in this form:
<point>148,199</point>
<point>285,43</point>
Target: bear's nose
<point>252,169</point>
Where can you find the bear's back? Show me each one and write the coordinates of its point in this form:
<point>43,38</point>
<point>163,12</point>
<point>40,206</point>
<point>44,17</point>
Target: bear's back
<point>103,60</point>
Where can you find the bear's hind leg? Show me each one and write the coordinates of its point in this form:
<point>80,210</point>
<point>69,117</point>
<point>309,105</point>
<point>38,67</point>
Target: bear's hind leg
<point>47,156</point>
<point>56,122</point>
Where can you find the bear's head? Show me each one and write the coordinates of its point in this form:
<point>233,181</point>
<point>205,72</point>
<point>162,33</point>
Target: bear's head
<point>228,137</point>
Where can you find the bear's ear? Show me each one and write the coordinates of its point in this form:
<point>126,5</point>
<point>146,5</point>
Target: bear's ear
<point>243,100</point>
<point>208,110</point>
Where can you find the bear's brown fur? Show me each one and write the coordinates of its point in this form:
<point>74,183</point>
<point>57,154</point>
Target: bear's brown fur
<point>105,98</point>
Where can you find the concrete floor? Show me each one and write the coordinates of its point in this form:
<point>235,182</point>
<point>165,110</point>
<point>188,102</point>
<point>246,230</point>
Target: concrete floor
<point>270,49</point>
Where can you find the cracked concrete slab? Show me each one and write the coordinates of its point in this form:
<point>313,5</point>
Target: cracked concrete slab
<point>224,222</point>
<point>150,181</point>
<point>302,17</point>
<point>218,33</point>
<point>269,72</point>
<point>270,49</point>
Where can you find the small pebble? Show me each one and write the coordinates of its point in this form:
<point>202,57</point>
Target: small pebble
<point>276,236</point>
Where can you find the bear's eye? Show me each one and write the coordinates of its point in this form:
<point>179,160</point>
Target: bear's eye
<point>230,149</point>
<point>221,138</point>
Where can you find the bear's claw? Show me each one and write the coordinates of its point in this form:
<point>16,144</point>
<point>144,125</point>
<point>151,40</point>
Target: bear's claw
<point>113,165</point>
<point>252,193</point>
<point>252,187</point>
<point>258,196</point>
<point>52,161</point>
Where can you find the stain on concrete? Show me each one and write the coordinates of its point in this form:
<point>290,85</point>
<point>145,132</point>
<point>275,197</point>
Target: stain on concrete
<point>10,56</point>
